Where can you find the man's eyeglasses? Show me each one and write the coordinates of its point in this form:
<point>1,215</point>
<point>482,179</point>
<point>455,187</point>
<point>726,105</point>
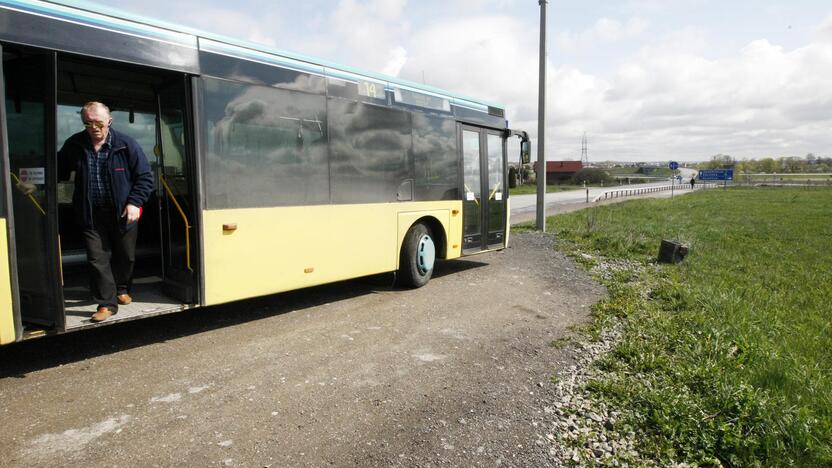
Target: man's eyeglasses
<point>98,125</point>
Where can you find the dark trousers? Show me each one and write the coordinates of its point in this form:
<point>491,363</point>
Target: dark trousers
<point>111,255</point>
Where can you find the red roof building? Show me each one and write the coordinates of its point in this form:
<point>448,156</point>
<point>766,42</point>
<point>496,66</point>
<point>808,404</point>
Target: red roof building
<point>560,170</point>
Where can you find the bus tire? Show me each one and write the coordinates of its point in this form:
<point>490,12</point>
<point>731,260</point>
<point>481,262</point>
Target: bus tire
<point>417,258</point>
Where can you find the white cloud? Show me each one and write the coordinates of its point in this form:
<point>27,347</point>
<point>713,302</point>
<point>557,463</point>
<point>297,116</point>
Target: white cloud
<point>604,30</point>
<point>667,99</point>
<point>368,33</point>
<point>489,57</point>
<point>390,10</point>
<point>219,20</point>
<point>396,60</point>
<point>761,99</point>
<point>823,33</point>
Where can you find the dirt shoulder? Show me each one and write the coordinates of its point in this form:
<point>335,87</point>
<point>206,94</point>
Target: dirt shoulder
<point>455,373</point>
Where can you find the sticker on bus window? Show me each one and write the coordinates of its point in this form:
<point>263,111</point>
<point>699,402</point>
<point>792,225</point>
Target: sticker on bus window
<point>470,196</point>
<point>33,175</point>
<point>498,196</point>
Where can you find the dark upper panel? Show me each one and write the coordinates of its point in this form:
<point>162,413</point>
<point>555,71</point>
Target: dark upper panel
<point>222,66</point>
<point>251,66</point>
<point>99,36</point>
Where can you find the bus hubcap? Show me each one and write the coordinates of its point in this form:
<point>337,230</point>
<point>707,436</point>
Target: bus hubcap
<point>425,254</point>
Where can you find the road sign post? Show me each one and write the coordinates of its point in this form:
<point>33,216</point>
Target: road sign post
<point>673,166</point>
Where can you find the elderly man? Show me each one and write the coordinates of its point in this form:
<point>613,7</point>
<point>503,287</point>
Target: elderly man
<point>112,182</point>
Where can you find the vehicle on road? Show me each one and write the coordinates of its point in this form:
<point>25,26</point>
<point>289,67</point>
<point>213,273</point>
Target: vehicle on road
<point>273,171</point>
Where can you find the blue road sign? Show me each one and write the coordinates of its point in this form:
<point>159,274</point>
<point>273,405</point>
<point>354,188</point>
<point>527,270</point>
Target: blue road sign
<point>716,174</point>
<point>673,165</point>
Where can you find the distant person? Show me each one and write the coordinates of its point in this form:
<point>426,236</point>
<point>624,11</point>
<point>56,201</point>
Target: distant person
<point>692,182</point>
<point>112,182</point>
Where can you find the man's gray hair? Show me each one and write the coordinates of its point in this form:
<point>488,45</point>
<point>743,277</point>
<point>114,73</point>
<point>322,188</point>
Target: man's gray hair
<point>93,105</point>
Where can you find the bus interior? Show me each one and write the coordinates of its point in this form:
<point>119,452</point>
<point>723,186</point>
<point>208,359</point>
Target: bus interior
<point>44,92</point>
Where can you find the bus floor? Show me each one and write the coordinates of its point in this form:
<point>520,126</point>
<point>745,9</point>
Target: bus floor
<point>148,299</point>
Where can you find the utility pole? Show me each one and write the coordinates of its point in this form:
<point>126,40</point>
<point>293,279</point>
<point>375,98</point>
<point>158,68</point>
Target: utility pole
<point>541,124</point>
<point>584,152</point>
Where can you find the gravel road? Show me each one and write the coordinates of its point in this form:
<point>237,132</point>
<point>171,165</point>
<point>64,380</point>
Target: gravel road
<point>457,373</point>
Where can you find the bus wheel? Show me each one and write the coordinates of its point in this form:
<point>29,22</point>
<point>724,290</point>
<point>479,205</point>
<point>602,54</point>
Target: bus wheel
<point>417,257</point>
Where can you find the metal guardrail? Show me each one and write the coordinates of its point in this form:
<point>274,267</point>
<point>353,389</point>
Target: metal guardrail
<point>620,193</point>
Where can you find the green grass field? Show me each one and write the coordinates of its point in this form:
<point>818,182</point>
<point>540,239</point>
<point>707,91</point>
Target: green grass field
<point>728,355</point>
<point>762,178</point>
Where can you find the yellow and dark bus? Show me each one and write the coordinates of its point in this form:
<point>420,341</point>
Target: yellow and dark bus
<point>273,171</point>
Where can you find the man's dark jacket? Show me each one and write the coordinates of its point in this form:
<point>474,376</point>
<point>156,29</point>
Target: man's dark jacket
<point>131,179</point>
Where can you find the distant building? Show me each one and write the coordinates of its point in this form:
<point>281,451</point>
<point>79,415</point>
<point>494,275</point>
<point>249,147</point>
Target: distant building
<point>560,171</point>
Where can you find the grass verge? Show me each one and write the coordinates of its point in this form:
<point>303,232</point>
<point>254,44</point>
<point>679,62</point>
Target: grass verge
<point>727,357</point>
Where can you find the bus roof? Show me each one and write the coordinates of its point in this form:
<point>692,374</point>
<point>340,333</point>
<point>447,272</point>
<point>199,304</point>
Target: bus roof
<point>113,19</point>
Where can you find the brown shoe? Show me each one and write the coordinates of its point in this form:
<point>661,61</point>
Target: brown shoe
<point>124,299</point>
<point>102,314</point>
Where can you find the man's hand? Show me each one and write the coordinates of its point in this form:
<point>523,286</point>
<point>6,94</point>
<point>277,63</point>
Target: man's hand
<point>132,213</point>
<point>26,188</point>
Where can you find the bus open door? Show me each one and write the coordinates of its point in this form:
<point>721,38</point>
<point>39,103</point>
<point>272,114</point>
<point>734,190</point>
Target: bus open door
<point>30,202</point>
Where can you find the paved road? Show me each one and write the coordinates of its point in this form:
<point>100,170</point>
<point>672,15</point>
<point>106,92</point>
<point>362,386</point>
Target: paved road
<point>523,207</point>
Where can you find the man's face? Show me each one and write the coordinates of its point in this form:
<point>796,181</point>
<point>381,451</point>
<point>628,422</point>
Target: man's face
<point>97,122</point>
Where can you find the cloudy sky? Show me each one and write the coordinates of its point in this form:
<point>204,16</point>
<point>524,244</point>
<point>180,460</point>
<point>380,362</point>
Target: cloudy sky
<point>645,79</point>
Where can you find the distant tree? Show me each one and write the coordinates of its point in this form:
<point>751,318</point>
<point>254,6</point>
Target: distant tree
<point>768,165</point>
<point>512,177</point>
<point>591,175</point>
<point>721,161</point>
<point>792,164</point>
<point>744,166</point>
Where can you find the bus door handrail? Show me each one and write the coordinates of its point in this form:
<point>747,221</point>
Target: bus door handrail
<point>184,219</point>
<point>496,187</point>
<point>471,191</point>
<point>43,212</point>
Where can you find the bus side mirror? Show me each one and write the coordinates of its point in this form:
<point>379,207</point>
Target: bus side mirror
<point>525,151</point>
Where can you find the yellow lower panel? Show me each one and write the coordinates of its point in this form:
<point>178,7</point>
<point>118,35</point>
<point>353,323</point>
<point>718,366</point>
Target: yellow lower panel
<point>279,249</point>
<point>7,334</point>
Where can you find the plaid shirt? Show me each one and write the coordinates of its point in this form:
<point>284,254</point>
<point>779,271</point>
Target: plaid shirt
<point>101,193</point>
